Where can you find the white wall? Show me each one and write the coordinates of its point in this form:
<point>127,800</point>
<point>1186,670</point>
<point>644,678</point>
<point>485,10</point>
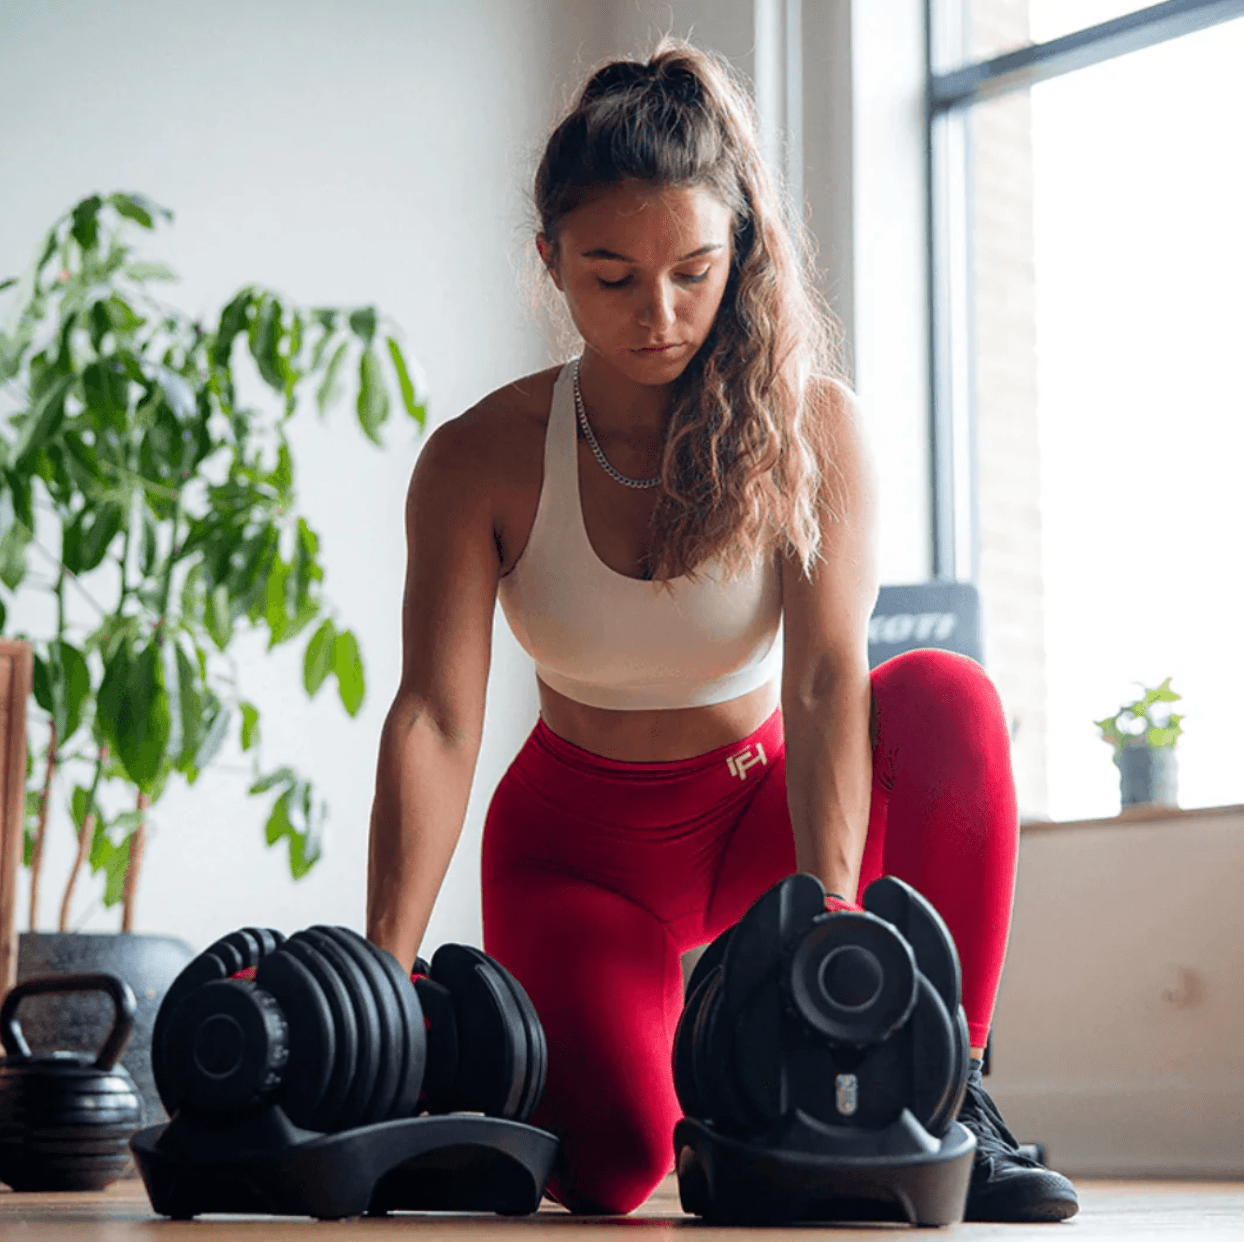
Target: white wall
<point>380,152</point>
<point>372,152</point>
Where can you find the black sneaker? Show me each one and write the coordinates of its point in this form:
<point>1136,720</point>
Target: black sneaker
<point>1008,1183</point>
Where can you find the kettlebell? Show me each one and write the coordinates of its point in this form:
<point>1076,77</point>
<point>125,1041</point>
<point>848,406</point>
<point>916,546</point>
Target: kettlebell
<point>65,1120</point>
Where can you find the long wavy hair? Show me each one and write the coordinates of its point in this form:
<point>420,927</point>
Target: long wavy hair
<point>741,472</point>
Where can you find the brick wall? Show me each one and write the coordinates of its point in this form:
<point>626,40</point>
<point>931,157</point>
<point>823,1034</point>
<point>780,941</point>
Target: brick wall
<point>1005,385</point>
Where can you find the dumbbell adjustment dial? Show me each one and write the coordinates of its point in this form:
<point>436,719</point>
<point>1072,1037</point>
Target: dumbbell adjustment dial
<point>852,979</point>
<point>227,1046</point>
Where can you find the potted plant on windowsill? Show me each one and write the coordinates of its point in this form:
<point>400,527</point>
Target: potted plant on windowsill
<point>135,478</point>
<point>1144,748</point>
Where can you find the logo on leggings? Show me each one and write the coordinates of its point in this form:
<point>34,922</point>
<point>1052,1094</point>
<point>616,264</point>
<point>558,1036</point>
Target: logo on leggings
<point>748,757</point>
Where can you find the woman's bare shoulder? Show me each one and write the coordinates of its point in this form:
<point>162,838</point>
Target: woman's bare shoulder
<point>499,437</point>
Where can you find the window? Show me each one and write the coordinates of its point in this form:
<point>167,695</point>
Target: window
<point>1086,193</point>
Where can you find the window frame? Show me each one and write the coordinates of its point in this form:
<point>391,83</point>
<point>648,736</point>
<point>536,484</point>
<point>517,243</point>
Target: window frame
<point>949,98</point>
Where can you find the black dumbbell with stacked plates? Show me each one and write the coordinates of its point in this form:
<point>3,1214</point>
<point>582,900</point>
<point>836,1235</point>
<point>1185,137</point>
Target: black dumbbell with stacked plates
<point>821,1060</point>
<point>311,1076</point>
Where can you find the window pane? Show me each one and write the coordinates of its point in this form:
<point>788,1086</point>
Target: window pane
<point>1108,260</point>
<point>998,26</point>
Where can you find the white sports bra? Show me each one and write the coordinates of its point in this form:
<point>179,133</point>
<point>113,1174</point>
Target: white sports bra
<point>610,641</point>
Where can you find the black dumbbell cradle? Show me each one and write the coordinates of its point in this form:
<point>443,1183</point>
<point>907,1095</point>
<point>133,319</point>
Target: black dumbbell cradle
<point>265,1164</point>
<point>294,1069</point>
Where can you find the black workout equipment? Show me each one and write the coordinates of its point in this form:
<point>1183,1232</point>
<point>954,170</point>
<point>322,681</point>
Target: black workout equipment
<point>313,1077</point>
<point>821,1060</point>
<point>65,1119</point>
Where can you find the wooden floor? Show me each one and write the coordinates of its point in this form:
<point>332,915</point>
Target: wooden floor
<point>1113,1211</point>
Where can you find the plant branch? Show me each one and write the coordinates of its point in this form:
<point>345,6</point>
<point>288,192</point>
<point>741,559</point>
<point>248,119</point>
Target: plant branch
<point>36,852</point>
<point>133,863</point>
<point>85,833</point>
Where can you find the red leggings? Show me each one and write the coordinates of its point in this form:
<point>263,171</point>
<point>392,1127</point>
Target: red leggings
<point>598,874</point>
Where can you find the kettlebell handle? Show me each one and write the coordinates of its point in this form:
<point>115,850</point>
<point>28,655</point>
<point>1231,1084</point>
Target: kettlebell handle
<point>124,1007</point>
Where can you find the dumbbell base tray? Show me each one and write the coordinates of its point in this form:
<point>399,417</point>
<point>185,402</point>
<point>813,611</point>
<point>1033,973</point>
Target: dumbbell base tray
<point>265,1165</point>
<point>899,1174</point>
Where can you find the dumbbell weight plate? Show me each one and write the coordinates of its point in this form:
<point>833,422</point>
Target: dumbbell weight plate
<point>769,929</point>
<point>537,1059</point>
<point>919,923</point>
<point>237,952</point>
<point>345,1030</point>
<point>412,1038</point>
<point>441,1024</point>
<point>934,1060</point>
<point>388,1028</point>
<point>685,1085</point>
<point>492,1040</point>
<point>354,1111</point>
<point>713,1060</point>
<point>312,1036</point>
<point>266,938</point>
<point>204,969</point>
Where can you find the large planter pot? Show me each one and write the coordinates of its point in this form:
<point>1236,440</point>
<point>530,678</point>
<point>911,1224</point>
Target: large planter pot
<point>1147,774</point>
<point>79,1022</point>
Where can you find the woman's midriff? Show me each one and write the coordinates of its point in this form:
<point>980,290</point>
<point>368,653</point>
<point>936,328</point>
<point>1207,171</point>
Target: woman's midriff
<point>656,736</point>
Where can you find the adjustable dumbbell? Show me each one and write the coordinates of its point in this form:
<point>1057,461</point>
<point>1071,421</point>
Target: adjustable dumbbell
<point>848,1017</point>
<point>331,1028</point>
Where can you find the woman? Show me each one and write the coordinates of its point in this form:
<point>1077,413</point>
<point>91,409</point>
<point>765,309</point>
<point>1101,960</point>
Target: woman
<point>652,516</point>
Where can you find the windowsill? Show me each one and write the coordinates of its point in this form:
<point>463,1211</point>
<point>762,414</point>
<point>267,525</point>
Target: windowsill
<point>1144,812</point>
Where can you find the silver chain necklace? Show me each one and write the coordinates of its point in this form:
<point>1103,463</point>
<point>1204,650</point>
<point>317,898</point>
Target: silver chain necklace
<point>596,449</point>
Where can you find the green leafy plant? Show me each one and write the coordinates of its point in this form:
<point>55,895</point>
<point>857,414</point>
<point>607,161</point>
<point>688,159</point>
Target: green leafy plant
<point>133,473</point>
<point>1133,726</point>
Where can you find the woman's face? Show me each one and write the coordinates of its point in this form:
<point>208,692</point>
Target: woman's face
<point>643,271</point>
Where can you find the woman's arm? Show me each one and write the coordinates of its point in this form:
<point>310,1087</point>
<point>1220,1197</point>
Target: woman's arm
<point>431,736</point>
<point>826,692</point>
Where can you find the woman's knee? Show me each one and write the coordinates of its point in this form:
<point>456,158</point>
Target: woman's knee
<point>940,700</point>
<point>613,1173</point>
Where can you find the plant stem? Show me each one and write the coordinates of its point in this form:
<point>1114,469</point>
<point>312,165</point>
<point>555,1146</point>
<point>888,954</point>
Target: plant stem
<point>133,864</point>
<point>36,852</point>
<point>85,833</point>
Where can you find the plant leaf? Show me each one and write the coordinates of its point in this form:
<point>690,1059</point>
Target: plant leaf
<point>278,824</point>
<point>363,324</point>
<point>45,417</point>
<point>190,704</point>
<point>217,617</point>
<point>373,398</point>
<point>232,321</point>
<point>329,389</point>
<point>136,208</point>
<point>85,540</point>
<point>79,804</point>
<point>85,226</point>
<point>142,270</point>
<point>115,865</point>
<point>266,342</point>
<point>213,738</point>
<point>348,665</point>
<point>250,725</point>
<point>415,408</point>
<point>62,684</point>
<point>282,776</point>
<point>318,659</point>
<point>274,611</point>
<point>134,712</point>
